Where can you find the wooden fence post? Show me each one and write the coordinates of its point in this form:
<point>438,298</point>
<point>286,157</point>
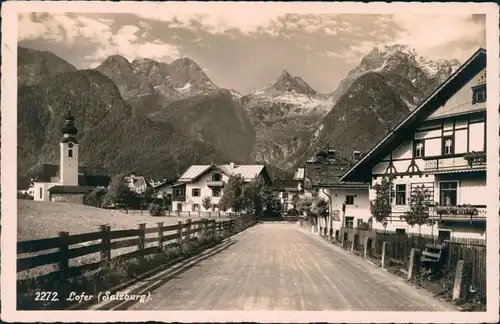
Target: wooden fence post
<point>188,230</point>
<point>140,241</point>
<point>414,264</point>
<point>160,236</point>
<point>462,280</point>
<point>212,228</point>
<point>63,250</point>
<point>386,259</point>
<point>104,247</point>
<point>179,231</point>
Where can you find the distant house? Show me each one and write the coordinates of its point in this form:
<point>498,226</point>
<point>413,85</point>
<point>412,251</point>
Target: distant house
<point>68,182</point>
<point>288,193</point>
<point>200,181</point>
<point>348,202</point>
<point>136,183</point>
<point>441,145</point>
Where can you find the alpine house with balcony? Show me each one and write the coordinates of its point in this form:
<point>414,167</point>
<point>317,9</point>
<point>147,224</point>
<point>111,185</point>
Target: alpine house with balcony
<point>348,203</point>
<point>441,146</point>
<point>200,181</point>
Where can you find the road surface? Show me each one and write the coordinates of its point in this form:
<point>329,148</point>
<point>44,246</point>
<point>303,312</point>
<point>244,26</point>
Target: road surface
<point>282,267</point>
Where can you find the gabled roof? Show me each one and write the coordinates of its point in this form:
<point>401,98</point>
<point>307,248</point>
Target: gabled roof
<point>361,171</point>
<point>138,181</point>
<point>248,172</point>
<point>327,175</point>
<point>87,175</point>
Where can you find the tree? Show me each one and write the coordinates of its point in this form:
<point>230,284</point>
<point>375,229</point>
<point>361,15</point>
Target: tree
<point>381,206</point>
<point>119,193</point>
<point>271,204</point>
<point>233,196</point>
<point>94,198</point>
<point>418,214</point>
<point>146,197</point>
<point>206,202</point>
<point>252,193</point>
<point>305,207</point>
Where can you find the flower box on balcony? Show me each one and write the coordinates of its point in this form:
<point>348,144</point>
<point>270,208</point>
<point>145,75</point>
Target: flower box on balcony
<point>475,158</point>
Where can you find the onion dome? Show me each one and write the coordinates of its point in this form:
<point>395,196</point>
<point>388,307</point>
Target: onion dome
<point>69,127</point>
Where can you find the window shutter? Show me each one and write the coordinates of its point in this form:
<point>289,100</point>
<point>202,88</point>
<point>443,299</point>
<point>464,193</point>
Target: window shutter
<point>393,194</point>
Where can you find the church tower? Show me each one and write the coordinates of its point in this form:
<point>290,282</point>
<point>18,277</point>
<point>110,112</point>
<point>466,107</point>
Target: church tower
<point>68,169</point>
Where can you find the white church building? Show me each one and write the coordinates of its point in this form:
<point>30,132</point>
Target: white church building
<point>68,181</point>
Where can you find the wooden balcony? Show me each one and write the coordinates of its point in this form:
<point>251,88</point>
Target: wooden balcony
<point>458,213</point>
<point>468,162</point>
<point>179,198</point>
<point>215,184</point>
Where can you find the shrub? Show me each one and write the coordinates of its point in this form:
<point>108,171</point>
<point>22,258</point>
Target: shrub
<point>24,196</point>
<point>155,209</point>
<point>292,212</point>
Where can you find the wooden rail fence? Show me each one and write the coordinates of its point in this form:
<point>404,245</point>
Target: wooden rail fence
<point>108,241</point>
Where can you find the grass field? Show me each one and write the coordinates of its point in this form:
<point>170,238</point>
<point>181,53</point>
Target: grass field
<point>38,219</point>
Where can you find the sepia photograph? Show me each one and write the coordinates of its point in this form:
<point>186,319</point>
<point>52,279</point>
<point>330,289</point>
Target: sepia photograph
<point>253,159</point>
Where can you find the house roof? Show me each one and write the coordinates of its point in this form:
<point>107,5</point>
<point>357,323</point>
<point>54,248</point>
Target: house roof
<point>138,181</point>
<point>361,171</point>
<point>285,185</point>
<point>71,189</point>
<point>87,175</point>
<point>323,175</point>
<point>248,172</point>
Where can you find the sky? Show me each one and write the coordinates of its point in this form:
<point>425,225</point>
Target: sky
<point>248,51</point>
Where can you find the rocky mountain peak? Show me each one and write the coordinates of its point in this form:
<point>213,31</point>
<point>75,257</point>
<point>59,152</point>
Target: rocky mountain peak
<point>115,61</point>
<point>288,83</point>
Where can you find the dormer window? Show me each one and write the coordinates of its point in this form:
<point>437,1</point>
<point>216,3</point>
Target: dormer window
<point>479,94</point>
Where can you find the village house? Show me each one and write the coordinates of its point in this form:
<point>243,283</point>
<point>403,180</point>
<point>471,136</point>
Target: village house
<point>68,181</point>
<point>348,203</point>
<point>200,181</point>
<point>136,183</point>
<point>441,145</point>
<point>288,194</point>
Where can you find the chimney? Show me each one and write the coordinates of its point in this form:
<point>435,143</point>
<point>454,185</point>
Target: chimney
<point>389,127</point>
<point>231,164</point>
<point>356,155</point>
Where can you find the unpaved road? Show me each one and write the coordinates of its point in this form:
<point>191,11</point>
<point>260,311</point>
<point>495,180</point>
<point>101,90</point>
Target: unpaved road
<point>281,267</point>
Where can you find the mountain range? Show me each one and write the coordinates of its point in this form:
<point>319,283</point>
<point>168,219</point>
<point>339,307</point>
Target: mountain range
<point>157,118</point>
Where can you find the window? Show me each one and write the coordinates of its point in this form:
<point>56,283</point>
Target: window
<point>195,192</point>
<point>216,192</point>
<point>444,235</point>
<point>179,207</point>
<point>400,231</point>
<point>215,207</point>
<point>179,192</point>
<point>448,193</point>
<point>349,200</point>
<point>401,194</point>
<point>419,149</point>
<point>285,196</point>
<point>349,222</point>
<point>70,153</point>
<point>41,193</point>
<point>196,207</point>
<point>216,177</point>
<point>479,94</point>
<point>448,145</point>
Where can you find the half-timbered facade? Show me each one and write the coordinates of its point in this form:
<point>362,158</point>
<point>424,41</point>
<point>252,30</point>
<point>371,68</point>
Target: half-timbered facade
<point>440,146</point>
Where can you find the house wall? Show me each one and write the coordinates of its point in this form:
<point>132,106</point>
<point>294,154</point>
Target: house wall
<point>201,184</point>
<point>68,198</point>
<point>286,204</point>
<point>44,187</point>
